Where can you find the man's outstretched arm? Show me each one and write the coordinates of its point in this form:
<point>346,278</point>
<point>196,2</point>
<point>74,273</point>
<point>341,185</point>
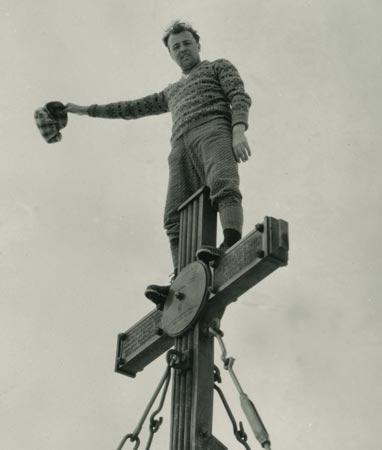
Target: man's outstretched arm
<point>133,109</point>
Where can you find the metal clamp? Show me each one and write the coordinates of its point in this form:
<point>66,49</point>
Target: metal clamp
<point>179,360</point>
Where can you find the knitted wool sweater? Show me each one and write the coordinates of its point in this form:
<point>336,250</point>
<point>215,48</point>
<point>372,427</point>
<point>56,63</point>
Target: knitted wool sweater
<point>211,89</point>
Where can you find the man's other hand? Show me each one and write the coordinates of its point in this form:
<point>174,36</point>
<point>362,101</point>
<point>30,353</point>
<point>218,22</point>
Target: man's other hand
<point>76,109</point>
<point>240,146</point>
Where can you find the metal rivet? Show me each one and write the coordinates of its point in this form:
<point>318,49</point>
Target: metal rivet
<point>259,227</point>
<point>179,295</point>
<point>204,433</point>
<point>260,253</point>
<point>121,362</point>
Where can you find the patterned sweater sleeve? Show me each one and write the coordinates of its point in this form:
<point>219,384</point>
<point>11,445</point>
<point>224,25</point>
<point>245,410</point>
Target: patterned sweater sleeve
<point>233,87</point>
<point>133,109</point>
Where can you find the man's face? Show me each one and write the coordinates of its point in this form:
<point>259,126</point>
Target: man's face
<point>184,50</point>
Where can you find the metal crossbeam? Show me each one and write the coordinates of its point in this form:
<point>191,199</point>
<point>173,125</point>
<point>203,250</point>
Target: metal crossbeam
<point>242,267</point>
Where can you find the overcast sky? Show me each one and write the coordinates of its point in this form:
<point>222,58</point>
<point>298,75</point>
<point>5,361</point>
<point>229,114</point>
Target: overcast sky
<point>81,220</point>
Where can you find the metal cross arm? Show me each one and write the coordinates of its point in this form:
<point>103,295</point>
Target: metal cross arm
<point>141,344</point>
<point>249,261</point>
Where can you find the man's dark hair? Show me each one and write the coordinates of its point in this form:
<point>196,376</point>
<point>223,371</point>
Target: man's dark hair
<point>178,27</point>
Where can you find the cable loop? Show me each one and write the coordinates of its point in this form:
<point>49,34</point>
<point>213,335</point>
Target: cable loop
<point>239,433</point>
<point>155,424</point>
<point>133,438</point>
<point>173,357</point>
<point>217,376</point>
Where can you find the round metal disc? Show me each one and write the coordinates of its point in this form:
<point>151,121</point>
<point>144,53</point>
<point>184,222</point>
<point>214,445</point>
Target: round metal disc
<point>187,296</point>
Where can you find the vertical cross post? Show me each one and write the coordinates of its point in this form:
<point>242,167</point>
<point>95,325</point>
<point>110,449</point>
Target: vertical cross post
<point>192,393</point>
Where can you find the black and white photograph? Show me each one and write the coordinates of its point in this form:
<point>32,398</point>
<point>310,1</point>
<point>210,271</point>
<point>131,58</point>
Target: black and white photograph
<point>190,225</point>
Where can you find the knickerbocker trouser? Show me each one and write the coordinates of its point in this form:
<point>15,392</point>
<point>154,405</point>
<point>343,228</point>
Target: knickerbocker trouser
<point>203,156</point>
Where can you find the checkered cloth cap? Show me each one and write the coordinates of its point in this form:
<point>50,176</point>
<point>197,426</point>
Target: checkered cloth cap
<point>50,119</point>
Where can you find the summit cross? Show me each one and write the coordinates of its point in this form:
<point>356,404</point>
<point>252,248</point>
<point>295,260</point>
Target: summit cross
<point>198,297</point>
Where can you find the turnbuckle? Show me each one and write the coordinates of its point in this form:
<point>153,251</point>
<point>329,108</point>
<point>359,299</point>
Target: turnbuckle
<point>247,405</point>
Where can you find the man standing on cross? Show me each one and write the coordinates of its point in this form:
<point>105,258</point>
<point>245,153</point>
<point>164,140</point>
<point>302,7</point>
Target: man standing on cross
<point>209,108</point>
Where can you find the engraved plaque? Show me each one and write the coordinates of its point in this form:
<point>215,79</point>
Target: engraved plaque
<point>140,335</point>
<point>141,344</point>
<point>186,299</point>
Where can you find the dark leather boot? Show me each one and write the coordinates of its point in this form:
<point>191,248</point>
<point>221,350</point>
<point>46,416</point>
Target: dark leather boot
<point>158,294</point>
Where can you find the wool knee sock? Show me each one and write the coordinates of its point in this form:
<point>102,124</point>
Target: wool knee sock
<point>231,236</point>
<point>231,217</point>
<point>174,245</point>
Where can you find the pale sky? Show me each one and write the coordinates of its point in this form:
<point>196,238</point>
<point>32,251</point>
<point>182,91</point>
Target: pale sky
<point>81,221</point>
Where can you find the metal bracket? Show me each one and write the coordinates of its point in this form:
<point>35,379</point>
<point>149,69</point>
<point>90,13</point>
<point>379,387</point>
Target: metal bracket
<point>180,360</point>
<point>187,298</point>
